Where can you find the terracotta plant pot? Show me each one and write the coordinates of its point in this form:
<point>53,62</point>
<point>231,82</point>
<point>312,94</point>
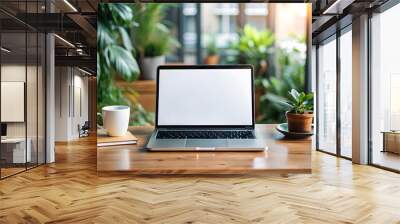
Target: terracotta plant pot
<point>299,122</point>
<point>211,60</point>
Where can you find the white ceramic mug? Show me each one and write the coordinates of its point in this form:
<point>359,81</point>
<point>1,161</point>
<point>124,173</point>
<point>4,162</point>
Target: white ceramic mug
<point>116,120</point>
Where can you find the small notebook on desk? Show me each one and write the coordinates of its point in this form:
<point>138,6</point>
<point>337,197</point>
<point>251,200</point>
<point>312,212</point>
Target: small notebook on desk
<point>104,140</point>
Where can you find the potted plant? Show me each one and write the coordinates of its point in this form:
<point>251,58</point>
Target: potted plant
<point>300,114</point>
<point>154,53</point>
<point>212,53</point>
<point>151,37</point>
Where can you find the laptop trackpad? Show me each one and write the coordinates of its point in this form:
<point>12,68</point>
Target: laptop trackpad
<point>206,143</point>
<point>169,143</point>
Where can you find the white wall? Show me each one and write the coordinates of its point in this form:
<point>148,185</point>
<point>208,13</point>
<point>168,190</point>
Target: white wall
<point>62,82</point>
<point>33,127</point>
<point>71,102</point>
<point>16,73</point>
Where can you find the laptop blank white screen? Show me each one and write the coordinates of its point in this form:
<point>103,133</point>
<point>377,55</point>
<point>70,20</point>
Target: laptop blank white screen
<point>191,97</point>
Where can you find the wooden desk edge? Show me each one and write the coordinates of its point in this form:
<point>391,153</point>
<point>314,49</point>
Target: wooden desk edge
<point>203,172</point>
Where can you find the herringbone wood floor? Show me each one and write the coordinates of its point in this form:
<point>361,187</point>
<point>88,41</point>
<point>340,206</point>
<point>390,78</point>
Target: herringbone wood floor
<point>70,191</point>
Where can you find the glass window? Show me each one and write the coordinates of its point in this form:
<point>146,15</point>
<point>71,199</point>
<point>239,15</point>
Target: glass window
<point>189,32</point>
<point>41,79</point>
<point>256,14</point>
<point>31,97</point>
<point>232,25</point>
<point>15,149</point>
<point>190,24</point>
<point>385,89</point>
<point>327,97</point>
<point>346,94</point>
<point>22,93</point>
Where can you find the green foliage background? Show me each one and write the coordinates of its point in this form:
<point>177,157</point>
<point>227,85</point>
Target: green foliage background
<point>126,32</point>
<point>278,68</point>
<point>290,74</point>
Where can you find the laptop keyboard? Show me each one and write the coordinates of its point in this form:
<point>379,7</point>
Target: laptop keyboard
<point>205,134</point>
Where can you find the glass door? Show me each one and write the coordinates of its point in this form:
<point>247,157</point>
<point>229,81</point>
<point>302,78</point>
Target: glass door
<point>14,144</point>
<point>32,98</point>
<point>326,102</point>
<point>41,96</point>
<point>346,93</point>
<point>22,77</point>
<point>334,94</point>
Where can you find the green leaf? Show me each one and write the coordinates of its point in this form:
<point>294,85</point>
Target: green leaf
<point>104,36</point>
<point>121,13</point>
<point>309,96</point>
<point>279,100</point>
<point>122,62</point>
<point>295,95</point>
<point>126,40</point>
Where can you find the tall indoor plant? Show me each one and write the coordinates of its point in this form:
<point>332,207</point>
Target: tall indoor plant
<point>115,57</point>
<point>151,37</point>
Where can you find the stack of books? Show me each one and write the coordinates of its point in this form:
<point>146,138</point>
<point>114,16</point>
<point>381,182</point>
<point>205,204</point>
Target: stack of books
<point>104,140</point>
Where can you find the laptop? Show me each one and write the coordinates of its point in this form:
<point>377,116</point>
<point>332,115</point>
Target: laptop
<point>205,108</point>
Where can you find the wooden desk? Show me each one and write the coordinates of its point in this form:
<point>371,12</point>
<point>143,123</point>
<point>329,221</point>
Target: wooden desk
<point>282,156</point>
